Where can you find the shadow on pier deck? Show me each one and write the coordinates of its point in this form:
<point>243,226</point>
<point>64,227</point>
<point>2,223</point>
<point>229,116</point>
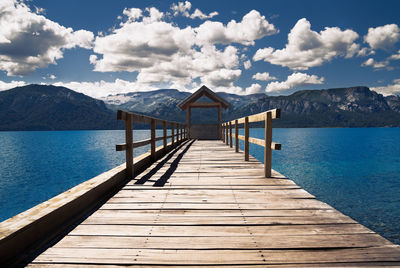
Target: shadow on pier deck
<point>201,204</point>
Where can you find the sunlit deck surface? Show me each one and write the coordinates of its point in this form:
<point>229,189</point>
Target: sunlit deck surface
<point>202,204</point>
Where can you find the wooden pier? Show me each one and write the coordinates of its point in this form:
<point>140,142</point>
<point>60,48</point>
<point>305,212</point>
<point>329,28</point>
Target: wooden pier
<point>191,203</point>
<point>203,205</point>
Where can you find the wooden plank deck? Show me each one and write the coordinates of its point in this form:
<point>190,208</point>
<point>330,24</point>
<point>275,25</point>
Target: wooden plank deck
<point>203,205</point>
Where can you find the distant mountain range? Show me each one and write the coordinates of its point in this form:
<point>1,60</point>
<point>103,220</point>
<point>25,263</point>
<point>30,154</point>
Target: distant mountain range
<point>41,107</point>
<point>339,107</point>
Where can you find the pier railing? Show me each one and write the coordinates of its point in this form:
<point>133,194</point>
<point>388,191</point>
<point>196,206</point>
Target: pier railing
<point>129,118</point>
<point>267,116</point>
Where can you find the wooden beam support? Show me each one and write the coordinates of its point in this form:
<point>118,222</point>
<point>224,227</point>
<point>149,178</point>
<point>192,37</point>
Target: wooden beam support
<point>141,143</point>
<point>274,145</point>
<point>173,134</point>
<point>219,120</point>
<point>178,134</point>
<point>153,138</point>
<point>204,105</point>
<point>181,132</point>
<point>188,115</point>
<point>230,134</point>
<point>236,136</point>
<point>222,132</point>
<point>226,134</point>
<point>275,113</point>
<point>246,138</point>
<point>165,136</point>
<point>267,146</point>
<point>120,147</point>
<point>121,115</point>
<point>129,147</point>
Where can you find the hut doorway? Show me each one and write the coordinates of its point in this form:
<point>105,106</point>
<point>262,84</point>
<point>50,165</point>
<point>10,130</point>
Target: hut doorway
<point>204,127</point>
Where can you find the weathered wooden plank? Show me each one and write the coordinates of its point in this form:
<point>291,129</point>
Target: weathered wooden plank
<point>261,142</point>
<point>216,220</point>
<point>218,257</point>
<point>225,242</point>
<point>302,265</point>
<point>204,105</point>
<point>221,187</point>
<point>176,230</point>
<point>330,214</point>
<point>202,193</point>
<point>127,203</point>
<point>275,113</point>
<point>246,138</point>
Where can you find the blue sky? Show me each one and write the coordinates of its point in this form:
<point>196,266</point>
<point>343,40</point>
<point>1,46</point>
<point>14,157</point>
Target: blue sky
<point>243,47</point>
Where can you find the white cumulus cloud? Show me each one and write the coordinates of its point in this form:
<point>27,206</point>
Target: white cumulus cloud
<point>307,48</point>
<point>252,27</point>
<point>365,52</point>
<point>395,56</point>
<point>222,78</point>
<point>29,41</point>
<point>10,85</point>
<point>183,8</point>
<point>254,88</point>
<point>391,89</point>
<point>376,64</point>
<point>161,52</point>
<point>102,88</point>
<point>294,80</point>
<point>247,64</point>
<point>263,77</point>
<point>133,14</point>
<point>198,14</point>
<point>383,37</point>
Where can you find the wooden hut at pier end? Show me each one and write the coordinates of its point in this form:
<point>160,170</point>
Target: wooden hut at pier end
<point>204,131</point>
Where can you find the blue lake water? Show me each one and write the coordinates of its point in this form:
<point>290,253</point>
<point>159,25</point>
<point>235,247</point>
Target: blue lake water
<point>356,170</point>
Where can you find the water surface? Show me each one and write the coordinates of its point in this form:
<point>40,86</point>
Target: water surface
<point>356,170</point>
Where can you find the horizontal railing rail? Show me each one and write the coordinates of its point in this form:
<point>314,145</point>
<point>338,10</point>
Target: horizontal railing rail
<point>267,143</point>
<point>129,145</point>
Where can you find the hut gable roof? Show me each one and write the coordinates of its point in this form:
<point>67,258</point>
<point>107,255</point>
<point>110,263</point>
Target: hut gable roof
<point>199,93</point>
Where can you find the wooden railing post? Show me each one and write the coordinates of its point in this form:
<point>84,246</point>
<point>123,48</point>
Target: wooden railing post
<point>246,138</point>
<point>230,134</point>
<point>223,133</point>
<point>173,134</point>
<point>129,147</point>
<point>236,136</point>
<point>153,139</point>
<point>177,134</point>
<point>267,147</point>
<point>165,135</point>
<point>226,134</point>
